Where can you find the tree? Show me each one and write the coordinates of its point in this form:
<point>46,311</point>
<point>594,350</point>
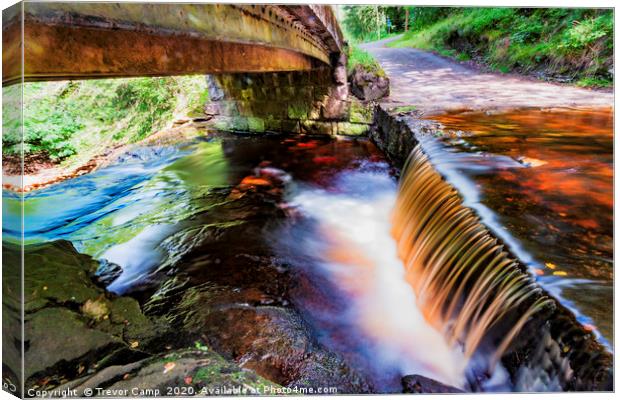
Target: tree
<point>406,19</point>
<point>365,22</point>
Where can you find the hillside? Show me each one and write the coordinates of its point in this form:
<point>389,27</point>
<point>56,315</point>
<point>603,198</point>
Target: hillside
<point>561,44</point>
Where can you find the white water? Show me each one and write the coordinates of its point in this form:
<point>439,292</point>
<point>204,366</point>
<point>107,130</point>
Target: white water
<point>358,255</point>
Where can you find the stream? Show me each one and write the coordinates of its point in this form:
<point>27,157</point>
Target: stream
<point>322,207</point>
<point>543,181</point>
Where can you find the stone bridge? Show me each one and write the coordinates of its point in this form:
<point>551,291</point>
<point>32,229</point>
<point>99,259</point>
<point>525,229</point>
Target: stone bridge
<point>271,67</point>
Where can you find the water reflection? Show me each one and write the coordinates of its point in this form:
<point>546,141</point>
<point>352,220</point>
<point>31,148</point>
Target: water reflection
<point>546,179</point>
<point>150,207</point>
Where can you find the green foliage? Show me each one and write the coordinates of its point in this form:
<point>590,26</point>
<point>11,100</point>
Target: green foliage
<point>577,43</point>
<point>594,82</point>
<point>369,23</point>
<point>52,133</point>
<point>358,56</point>
<point>149,100</point>
<point>79,118</point>
<point>364,23</point>
<point>200,346</point>
<point>585,33</point>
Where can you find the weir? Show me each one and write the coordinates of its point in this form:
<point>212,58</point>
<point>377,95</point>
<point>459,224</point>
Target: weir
<point>471,287</point>
<point>281,69</point>
<point>465,281</point>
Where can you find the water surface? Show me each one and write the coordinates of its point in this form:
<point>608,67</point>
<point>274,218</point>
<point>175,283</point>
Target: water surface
<point>543,181</point>
<point>337,196</point>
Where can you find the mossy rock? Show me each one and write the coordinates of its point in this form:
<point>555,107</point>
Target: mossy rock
<point>43,284</point>
<point>59,335</point>
<point>189,371</point>
<point>72,323</point>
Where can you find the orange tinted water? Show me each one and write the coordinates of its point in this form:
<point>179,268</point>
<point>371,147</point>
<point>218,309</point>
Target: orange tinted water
<point>548,177</point>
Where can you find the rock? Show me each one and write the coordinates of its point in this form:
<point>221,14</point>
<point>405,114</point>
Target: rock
<point>181,372</point>
<point>215,90</point>
<point>340,75</point>
<point>58,335</point>
<point>368,85</point>
<point>421,384</point>
<point>107,272</point>
<point>72,324</point>
<point>95,309</point>
<point>230,290</point>
<point>272,340</point>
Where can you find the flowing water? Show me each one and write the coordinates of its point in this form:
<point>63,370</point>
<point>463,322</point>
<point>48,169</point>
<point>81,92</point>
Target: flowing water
<point>543,182</point>
<point>465,281</point>
<point>397,280</point>
<point>338,195</point>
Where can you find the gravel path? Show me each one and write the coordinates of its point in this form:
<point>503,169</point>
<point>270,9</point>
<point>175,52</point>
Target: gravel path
<point>435,84</point>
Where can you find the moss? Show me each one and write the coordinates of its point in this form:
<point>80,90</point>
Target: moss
<point>350,129</point>
<point>403,109</point>
<point>297,110</point>
<point>361,113</point>
<point>256,124</point>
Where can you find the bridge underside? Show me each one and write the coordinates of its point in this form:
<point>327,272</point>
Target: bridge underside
<point>92,40</point>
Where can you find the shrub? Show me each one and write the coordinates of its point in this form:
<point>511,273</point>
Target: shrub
<point>575,43</point>
<point>62,119</point>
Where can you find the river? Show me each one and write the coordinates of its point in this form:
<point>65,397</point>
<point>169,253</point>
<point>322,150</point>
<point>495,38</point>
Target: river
<point>323,207</point>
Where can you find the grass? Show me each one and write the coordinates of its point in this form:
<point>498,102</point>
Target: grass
<point>594,82</point>
<point>358,56</point>
<point>70,121</point>
<point>572,43</point>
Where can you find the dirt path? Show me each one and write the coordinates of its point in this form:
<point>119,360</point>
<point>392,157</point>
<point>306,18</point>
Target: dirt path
<point>435,84</point>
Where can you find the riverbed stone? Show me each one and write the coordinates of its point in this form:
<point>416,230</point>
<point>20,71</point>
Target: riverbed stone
<point>230,290</point>
<point>72,324</point>
<point>107,272</point>
<point>191,371</point>
<point>272,340</point>
<point>58,335</point>
<point>421,384</point>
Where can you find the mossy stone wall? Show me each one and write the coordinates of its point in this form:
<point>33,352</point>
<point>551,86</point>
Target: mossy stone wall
<point>310,102</point>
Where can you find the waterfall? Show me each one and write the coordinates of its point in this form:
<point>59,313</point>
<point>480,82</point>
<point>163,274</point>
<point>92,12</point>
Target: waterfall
<point>466,283</point>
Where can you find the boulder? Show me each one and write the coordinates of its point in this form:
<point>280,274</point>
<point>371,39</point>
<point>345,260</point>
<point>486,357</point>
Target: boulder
<point>368,85</point>
<point>107,272</point>
<point>72,325</point>
<point>184,372</point>
<point>421,384</point>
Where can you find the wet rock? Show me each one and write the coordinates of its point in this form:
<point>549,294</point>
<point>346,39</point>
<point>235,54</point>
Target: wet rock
<point>182,372</point>
<point>274,341</point>
<point>72,325</point>
<point>56,335</point>
<point>421,384</point>
<point>107,272</point>
<point>230,290</point>
<point>368,85</point>
<point>396,135</point>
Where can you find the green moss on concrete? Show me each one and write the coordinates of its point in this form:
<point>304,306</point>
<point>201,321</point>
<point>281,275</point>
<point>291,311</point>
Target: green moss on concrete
<point>361,113</point>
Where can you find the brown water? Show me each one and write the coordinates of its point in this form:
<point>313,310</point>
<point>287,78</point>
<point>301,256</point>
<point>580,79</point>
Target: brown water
<point>466,284</point>
<point>543,181</point>
<point>296,222</point>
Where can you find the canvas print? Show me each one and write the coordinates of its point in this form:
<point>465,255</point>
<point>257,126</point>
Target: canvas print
<point>205,199</point>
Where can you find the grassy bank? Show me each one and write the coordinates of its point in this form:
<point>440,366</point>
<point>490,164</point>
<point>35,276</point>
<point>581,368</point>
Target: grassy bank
<point>358,56</point>
<point>574,45</point>
<point>70,121</point>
